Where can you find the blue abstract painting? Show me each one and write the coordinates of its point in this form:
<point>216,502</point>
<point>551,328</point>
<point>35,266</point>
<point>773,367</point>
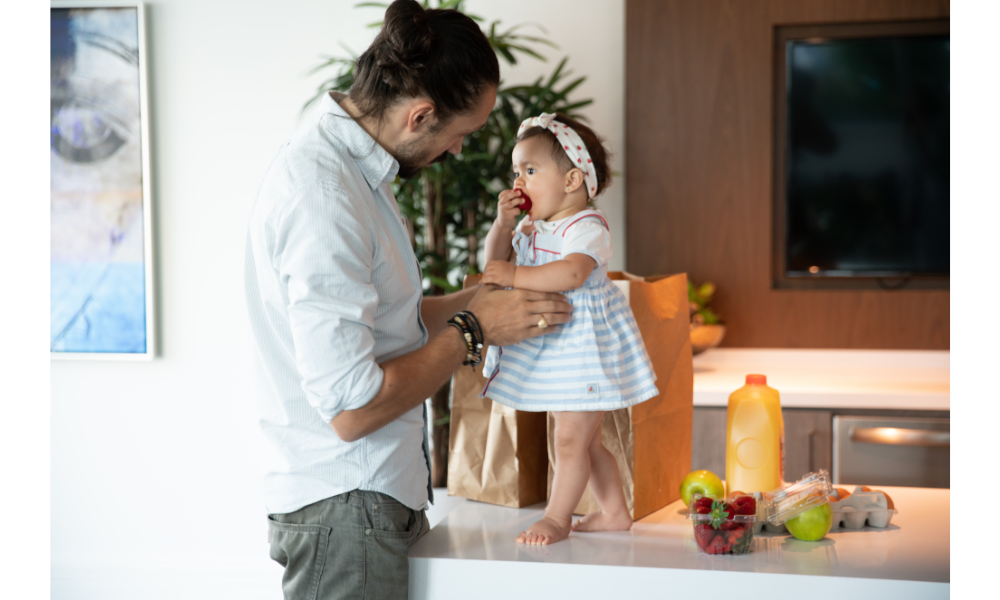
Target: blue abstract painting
<point>99,256</point>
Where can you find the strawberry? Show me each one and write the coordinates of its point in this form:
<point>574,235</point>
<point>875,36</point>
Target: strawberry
<point>526,205</point>
<point>745,505</point>
<point>733,536</point>
<point>720,512</point>
<point>718,546</point>
<point>703,534</point>
<point>729,525</point>
<point>702,505</point>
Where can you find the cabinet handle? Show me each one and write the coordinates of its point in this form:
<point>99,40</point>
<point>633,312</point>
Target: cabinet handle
<point>893,436</point>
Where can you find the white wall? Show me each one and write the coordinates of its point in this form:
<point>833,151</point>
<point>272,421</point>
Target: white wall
<point>154,469</point>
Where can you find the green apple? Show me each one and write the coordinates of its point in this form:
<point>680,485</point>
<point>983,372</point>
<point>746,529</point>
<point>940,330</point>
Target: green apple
<point>813,524</point>
<point>702,482</point>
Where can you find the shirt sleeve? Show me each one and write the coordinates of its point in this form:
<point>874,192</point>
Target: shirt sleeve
<point>325,263</point>
<point>590,237</point>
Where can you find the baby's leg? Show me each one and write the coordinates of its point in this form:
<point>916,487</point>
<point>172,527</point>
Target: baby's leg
<point>606,484</point>
<point>573,432</point>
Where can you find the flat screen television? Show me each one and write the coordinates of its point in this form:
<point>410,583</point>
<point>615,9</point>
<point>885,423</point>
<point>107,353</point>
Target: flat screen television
<point>862,159</point>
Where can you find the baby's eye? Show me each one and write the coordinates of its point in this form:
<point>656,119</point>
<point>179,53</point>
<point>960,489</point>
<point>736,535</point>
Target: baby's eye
<point>516,174</point>
<point>531,171</point>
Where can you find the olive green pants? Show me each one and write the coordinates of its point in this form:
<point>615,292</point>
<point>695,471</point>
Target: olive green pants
<point>353,545</point>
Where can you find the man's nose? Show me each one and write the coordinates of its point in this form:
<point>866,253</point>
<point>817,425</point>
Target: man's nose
<point>457,147</point>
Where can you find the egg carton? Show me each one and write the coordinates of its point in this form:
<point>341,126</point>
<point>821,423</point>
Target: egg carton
<point>861,507</point>
<point>853,512</point>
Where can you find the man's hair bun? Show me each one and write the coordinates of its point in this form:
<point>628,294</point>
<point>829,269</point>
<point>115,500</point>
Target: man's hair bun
<point>440,53</point>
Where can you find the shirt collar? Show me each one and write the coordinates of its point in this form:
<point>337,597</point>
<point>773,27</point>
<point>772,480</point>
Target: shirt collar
<point>377,165</point>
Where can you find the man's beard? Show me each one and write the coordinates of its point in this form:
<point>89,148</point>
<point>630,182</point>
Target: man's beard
<point>412,159</point>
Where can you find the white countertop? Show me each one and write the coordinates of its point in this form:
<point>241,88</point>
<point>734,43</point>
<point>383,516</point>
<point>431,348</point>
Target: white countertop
<point>873,379</point>
<point>471,553</point>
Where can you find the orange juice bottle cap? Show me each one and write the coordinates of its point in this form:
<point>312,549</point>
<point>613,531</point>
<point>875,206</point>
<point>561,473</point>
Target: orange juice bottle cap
<point>756,379</point>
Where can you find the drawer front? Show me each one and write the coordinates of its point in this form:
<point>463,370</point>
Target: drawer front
<point>896,451</point>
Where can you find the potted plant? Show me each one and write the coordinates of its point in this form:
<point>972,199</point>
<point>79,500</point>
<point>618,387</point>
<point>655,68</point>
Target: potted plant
<point>707,329</point>
<point>450,206</point>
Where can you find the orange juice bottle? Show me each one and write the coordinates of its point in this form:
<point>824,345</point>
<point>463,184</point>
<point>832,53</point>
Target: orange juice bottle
<point>755,438</point>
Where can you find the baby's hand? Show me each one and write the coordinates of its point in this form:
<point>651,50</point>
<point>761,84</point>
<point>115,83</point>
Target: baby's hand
<point>508,207</point>
<point>499,272</point>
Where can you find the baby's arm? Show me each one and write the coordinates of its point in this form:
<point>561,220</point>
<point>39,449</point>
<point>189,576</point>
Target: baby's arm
<point>501,234</point>
<point>558,276</point>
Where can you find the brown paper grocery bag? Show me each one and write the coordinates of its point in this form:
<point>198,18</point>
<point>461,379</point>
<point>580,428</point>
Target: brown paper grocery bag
<point>652,440</point>
<point>495,454</point>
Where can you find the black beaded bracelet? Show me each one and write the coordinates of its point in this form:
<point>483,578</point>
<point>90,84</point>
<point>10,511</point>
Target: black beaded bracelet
<point>472,333</point>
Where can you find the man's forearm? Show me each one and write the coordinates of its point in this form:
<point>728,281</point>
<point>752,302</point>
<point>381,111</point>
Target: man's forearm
<point>436,310</point>
<point>409,380</point>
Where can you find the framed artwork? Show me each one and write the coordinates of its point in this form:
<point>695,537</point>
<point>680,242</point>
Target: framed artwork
<point>101,227</point>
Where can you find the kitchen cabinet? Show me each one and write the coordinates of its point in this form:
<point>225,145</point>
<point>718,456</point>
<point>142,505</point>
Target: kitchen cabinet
<point>808,441</point>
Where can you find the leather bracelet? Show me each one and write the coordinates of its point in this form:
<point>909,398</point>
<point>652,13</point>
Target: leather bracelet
<point>472,333</point>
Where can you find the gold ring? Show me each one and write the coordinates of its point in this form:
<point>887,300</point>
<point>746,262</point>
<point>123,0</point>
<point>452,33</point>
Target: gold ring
<point>542,323</point>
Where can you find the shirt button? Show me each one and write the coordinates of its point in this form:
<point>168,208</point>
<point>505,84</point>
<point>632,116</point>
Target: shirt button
<point>368,531</point>
<point>374,506</point>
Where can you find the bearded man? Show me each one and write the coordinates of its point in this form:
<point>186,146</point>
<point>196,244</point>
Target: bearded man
<point>349,348</point>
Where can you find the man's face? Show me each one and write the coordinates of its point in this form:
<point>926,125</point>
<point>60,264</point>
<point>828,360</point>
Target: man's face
<point>434,145</point>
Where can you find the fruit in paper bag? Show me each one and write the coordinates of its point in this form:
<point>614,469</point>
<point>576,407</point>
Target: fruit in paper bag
<point>813,524</point>
<point>701,482</point>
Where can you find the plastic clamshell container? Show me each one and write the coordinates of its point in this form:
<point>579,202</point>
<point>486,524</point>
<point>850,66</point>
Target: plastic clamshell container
<point>782,504</point>
<point>736,540</point>
<point>861,507</point>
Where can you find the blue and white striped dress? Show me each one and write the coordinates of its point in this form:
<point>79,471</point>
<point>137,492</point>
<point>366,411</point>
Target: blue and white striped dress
<point>597,361</point>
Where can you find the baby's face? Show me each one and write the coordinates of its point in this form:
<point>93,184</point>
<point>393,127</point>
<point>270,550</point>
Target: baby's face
<point>542,179</point>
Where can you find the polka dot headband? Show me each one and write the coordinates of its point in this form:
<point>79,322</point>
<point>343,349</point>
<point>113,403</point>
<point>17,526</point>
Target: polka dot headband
<point>571,143</point>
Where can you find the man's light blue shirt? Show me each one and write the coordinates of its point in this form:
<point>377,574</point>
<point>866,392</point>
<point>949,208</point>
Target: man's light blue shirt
<point>333,288</point>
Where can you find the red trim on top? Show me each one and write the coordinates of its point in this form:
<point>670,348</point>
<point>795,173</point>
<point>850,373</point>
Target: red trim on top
<point>586,217</point>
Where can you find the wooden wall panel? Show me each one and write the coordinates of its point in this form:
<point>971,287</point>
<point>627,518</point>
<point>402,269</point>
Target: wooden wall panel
<point>698,172</point>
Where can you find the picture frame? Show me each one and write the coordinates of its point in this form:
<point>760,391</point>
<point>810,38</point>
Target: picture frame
<point>102,276</point>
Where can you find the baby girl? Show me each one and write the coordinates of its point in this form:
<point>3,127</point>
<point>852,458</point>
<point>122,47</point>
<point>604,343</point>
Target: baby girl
<point>596,362</point>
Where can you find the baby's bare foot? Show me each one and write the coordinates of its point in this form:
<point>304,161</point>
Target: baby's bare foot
<point>599,521</point>
<point>545,531</point>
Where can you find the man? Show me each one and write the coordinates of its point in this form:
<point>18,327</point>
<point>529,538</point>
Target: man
<point>349,348</point>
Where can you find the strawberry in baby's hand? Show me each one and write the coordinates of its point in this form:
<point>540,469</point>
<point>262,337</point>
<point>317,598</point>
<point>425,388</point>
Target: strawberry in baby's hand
<point>526,205</point>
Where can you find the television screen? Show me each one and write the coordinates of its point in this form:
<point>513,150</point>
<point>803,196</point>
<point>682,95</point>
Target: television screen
<point>867,163</point>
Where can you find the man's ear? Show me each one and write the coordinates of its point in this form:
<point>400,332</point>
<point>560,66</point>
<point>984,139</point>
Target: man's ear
<point>420,116</point>
<point>574,179</point>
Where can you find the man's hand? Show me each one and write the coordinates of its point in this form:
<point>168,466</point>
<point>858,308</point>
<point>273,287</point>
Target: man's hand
<point>499,272</point>
<point>509,316</point>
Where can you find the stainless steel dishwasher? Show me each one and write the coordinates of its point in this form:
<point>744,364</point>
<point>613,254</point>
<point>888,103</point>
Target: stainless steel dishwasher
<point>899,451</point>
